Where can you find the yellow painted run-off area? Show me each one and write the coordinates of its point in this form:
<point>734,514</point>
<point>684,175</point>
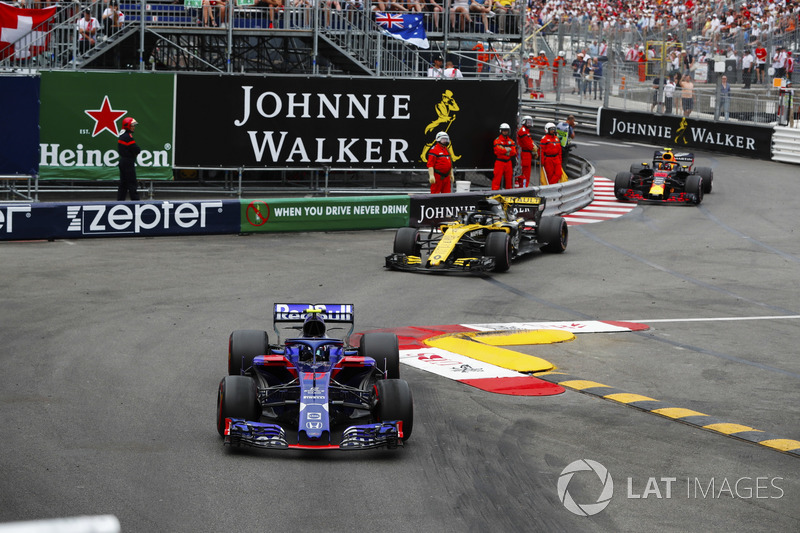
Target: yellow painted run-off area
<point>485,346</point>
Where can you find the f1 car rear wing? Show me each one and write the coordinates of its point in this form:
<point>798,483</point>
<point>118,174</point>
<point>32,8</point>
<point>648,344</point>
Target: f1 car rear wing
<point>330,313</point>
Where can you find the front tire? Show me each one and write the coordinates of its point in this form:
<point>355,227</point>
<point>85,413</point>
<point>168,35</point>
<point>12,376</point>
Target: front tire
<point>694,185</point>
<point>554,232</point>
<point>237,398</point>
<point>498,245</point>
<point>406,241</point>
<point>622,182</point>
<point>708,177</point>
<point>385,349</point>
<point>393,401</point>
<point>243,346</point>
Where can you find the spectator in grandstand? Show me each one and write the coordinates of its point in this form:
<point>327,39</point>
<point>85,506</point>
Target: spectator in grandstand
<point>587,75</point>
<point>87,31</point>
<point>275,6</point>
<point>484,9</point>
<point>669,93</point>
<point>747,68</point>
<point>597,78</point>
<point>779,62</point>
<point>761,61</point>
<point>577,73</point>
<point>209,18</point>
<point>678,95</point>
<point>452,72</point>
<point>725,97</point>
<point>459,9</point>
<point>687,94</point>
<point>503,8</point>
<point>112,19</point>
<point>412,6</point>
<point>436,8</point>
<point>436,71</point>
<point>687,62</point>
<point>654,103</point>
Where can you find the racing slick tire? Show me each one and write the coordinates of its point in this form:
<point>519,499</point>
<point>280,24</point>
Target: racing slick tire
<point>553,231</point>
<point>243,346</point>
<point>498,245</point>
<point>708,177</point>
<point>393,401</point>
<point>406,241</point>
<point>694,185</point>
<point>636,168</point>
<point>384,348</point>
<point>622,181</point>
<point>237,398</point>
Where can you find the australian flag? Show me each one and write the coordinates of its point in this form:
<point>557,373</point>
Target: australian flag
<point>409,28</point>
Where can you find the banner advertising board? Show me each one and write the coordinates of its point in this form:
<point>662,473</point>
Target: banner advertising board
<point>111,219</point>
<point>324,214</point>
<point>19,126</point>
<point>304,122</point>
<point>687,133</point>
<point>81,117</point>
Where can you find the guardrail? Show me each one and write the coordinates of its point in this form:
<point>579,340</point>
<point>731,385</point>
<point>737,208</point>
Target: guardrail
<point>786,145</point>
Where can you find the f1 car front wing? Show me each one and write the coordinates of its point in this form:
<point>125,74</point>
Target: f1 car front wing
<point>239,432</point>
<point>413,263</point>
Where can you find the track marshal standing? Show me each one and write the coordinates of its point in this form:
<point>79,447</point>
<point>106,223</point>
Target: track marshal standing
<point>128,150</point>
<point>440,165</point>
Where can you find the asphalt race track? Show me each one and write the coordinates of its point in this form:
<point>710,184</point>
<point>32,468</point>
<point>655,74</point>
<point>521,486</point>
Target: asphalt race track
<point>113,349</point>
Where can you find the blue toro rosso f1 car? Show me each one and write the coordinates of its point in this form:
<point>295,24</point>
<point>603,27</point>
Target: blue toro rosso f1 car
<point>314,391</point>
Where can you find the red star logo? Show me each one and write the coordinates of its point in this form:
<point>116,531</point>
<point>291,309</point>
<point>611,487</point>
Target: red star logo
<point>105,118</point>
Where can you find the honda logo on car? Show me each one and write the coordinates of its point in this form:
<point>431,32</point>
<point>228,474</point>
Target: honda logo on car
<point>7,216</point>
<point>124,218</point>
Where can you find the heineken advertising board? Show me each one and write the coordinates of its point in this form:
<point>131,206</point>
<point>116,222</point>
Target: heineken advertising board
<point>304,122</point>
<point>81,117</point>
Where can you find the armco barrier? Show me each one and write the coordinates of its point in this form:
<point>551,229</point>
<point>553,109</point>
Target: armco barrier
<point>35,221</point>
<point>562,198</point>
<point>786,145</point>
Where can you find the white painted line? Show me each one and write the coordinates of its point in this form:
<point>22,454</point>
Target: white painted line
<point>717,319</point>
<point>577,326</point>
<point>642,144</point>
<point>612,204</point>
<point>592,207</point>
<point>451,365</point>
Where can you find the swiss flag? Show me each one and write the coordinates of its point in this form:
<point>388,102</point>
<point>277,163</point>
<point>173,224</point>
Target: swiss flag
<point>24,33</point>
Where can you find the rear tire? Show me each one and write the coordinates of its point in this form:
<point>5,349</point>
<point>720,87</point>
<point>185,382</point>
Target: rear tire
<point>393,401</point>
<point>406,241</point>
<point>385,349</point>
<point>554,232</point>
<point>708,177</point>
<point>694,185</point>
<point>636,168</point>
<point>622,182</point>
<point>498,245</point>
<point>243,346</point>
<point>237,398</point>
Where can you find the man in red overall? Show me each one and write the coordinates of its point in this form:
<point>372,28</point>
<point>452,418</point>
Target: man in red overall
<point>505,150</point>
<point>550,151</point>
<point>440,165</point>
<point>527,150</point>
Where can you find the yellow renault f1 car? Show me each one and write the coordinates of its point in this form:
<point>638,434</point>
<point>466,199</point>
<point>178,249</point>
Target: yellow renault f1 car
<point>489,238</point>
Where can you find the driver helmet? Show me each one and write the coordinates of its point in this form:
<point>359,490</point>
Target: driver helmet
<point>314,325</point>
<point>443,138</point>
<point>549,126</point>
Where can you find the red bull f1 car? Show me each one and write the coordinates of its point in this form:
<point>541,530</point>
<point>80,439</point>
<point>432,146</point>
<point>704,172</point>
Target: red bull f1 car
<point>314,391</point>
<point>488,238</point>
<point>671,179</point>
